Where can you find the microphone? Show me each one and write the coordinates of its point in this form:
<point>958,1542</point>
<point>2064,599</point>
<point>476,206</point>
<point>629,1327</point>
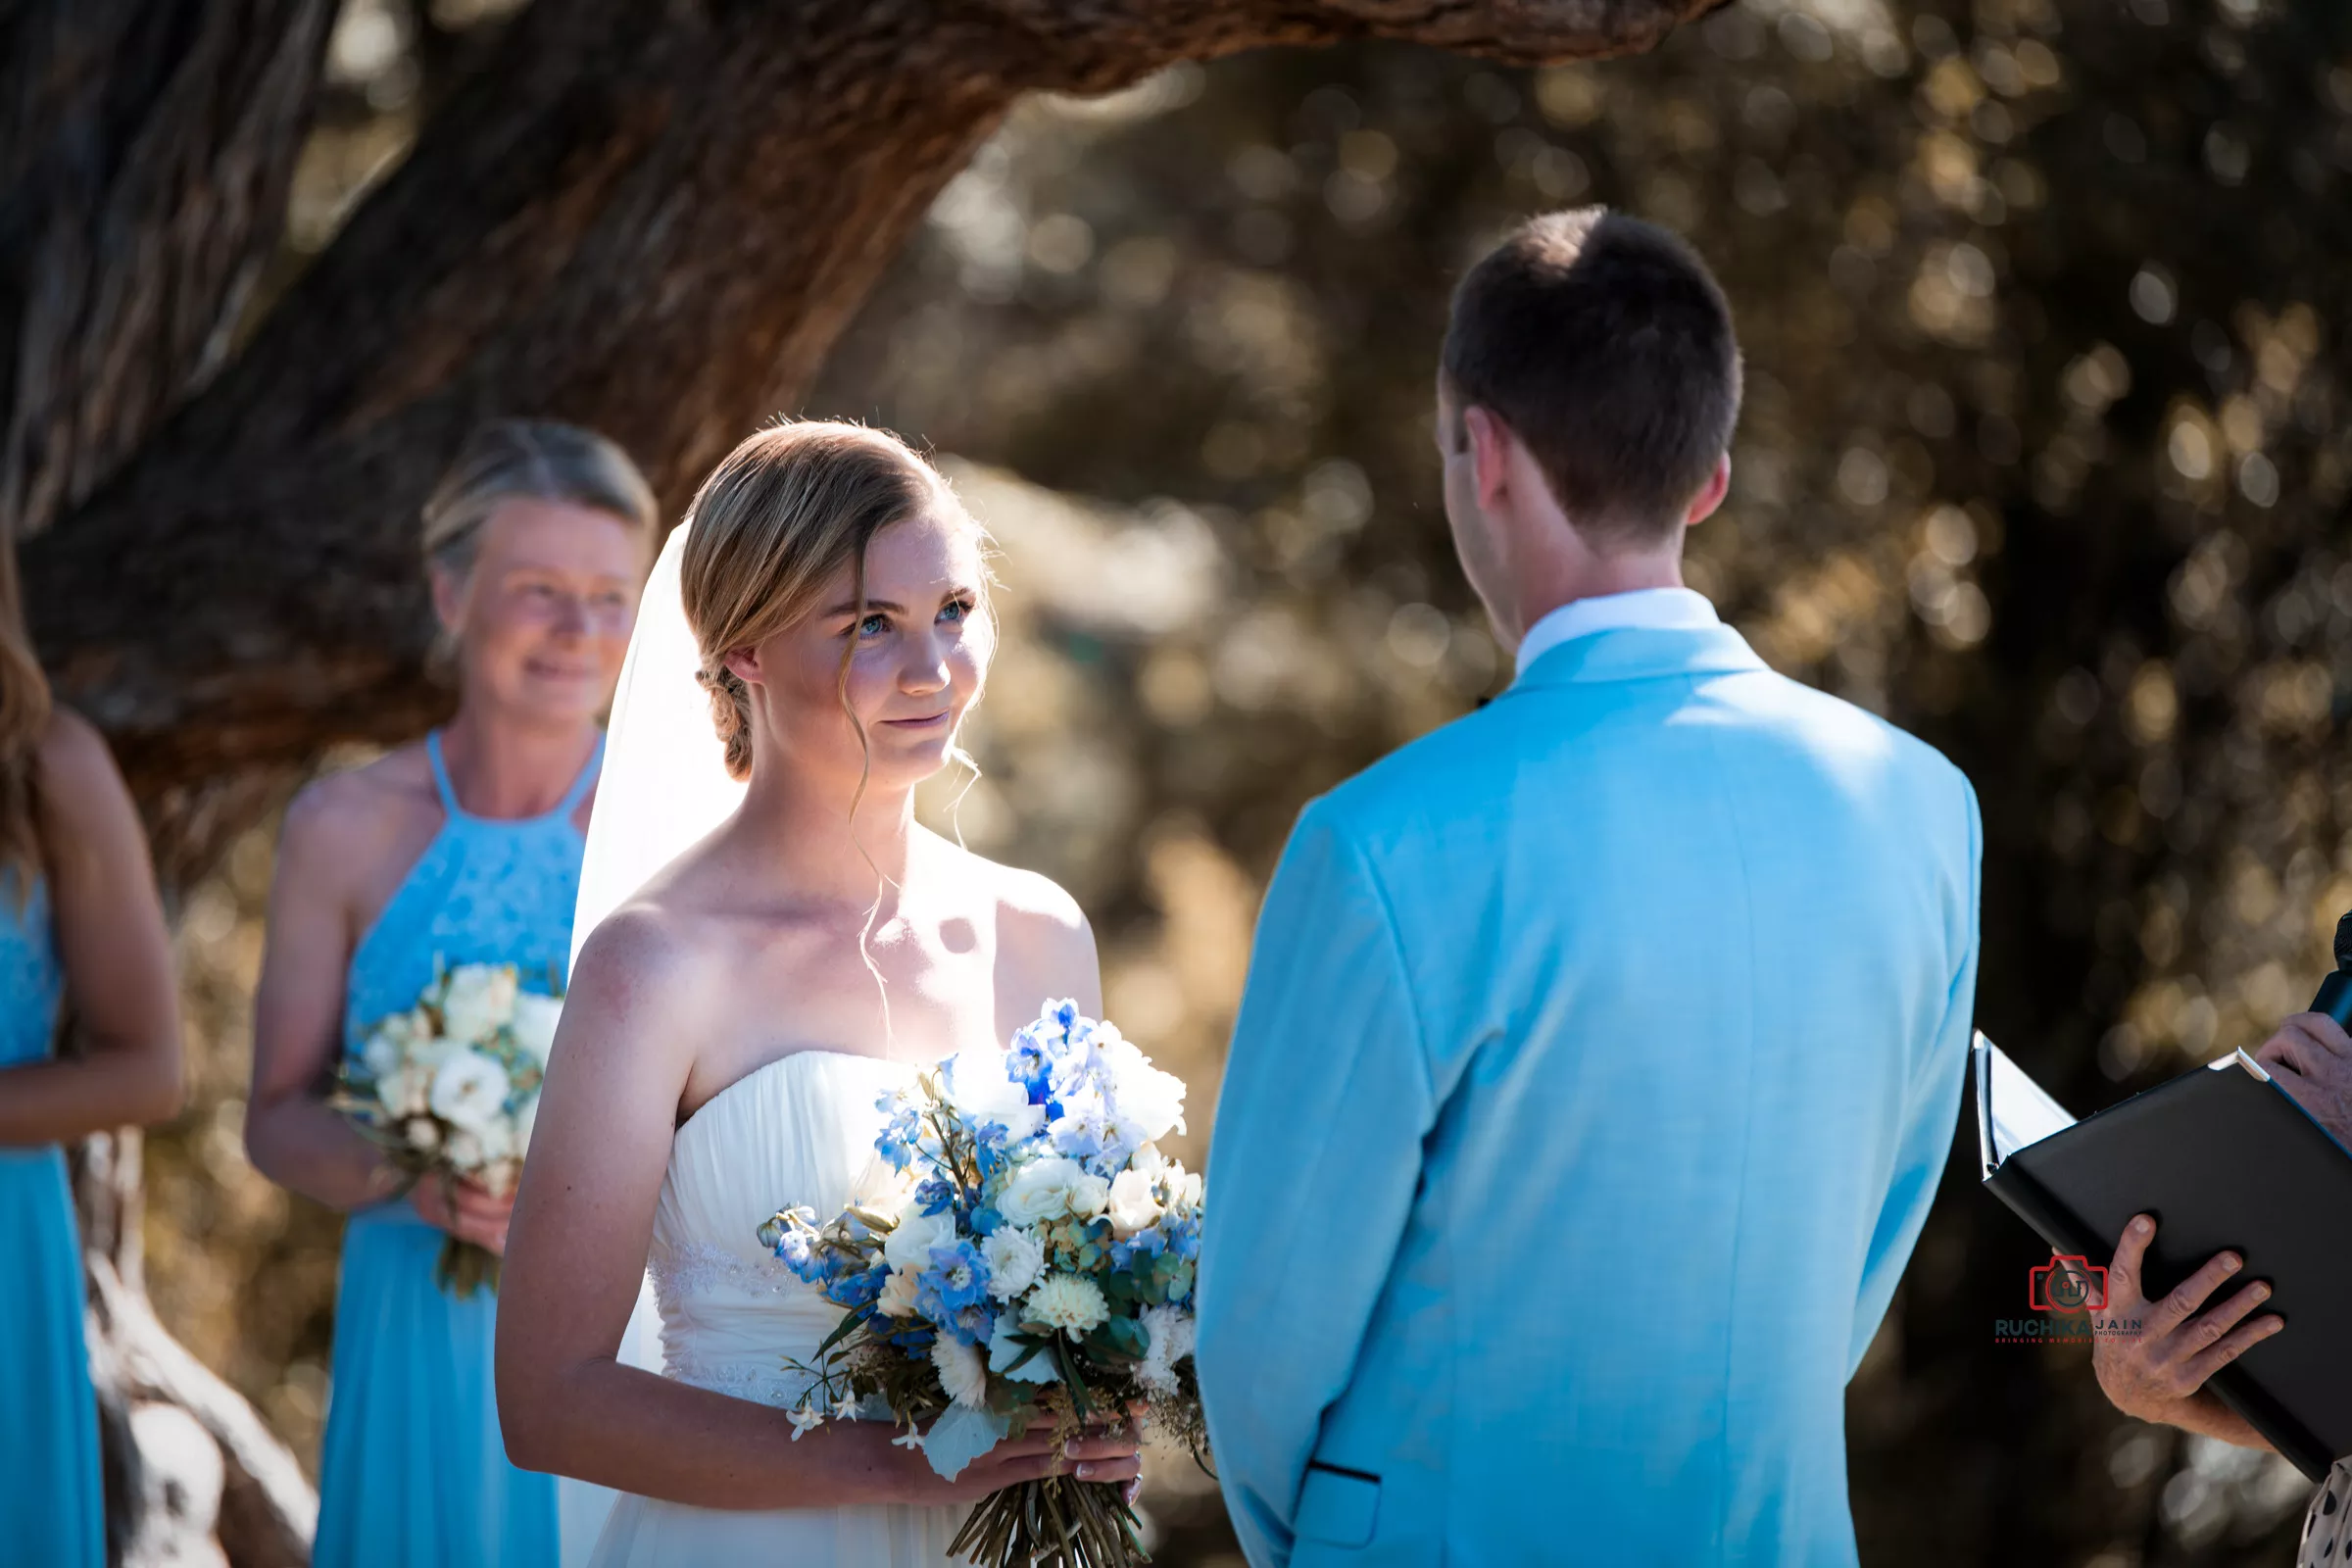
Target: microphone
<point>2335,992</point>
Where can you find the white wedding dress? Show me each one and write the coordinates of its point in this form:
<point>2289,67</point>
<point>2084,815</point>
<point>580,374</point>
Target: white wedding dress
<point>799,1130</point>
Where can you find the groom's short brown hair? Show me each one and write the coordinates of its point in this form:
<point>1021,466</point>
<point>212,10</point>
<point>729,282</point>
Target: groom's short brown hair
<point>1607,346</point>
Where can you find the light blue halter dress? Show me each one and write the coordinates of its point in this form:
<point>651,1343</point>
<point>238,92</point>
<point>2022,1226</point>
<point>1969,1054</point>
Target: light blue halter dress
<point>413,1470</point>
<point>51,1506</point>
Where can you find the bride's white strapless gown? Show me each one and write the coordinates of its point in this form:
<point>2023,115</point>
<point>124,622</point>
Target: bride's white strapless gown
<point>799,1130</point>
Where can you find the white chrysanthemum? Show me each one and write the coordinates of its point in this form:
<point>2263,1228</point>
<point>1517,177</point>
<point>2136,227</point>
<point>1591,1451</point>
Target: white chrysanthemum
<point>479,1000</point>
<point>534,1023</point>
<point>1015,1257</point>
<point>1169,1332</point>
<point>469,1092</point>
<point>961,1372</point>
<point>1068,1302</point>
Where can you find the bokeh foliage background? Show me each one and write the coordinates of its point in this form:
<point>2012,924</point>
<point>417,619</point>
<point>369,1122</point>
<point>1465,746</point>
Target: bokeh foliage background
<point>2045,456</point>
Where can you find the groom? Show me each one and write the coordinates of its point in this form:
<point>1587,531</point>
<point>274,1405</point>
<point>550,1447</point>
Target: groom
<point>1600,1051</point>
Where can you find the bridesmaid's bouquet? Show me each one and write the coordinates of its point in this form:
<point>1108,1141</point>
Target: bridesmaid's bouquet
<point>450,1088</point>
<point>1035,1269</point>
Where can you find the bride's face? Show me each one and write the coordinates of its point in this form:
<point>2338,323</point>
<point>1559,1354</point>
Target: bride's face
<point>916,654</point>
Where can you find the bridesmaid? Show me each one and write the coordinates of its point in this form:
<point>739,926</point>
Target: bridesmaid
<point>462,847</point>
<point>79,921</point>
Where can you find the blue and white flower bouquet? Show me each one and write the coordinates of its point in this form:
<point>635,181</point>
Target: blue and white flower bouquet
<point>1035,1268</point>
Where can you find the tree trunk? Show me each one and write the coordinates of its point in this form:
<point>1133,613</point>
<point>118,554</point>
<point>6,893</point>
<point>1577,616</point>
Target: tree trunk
<point>651,219</point>
<point>648,219</point>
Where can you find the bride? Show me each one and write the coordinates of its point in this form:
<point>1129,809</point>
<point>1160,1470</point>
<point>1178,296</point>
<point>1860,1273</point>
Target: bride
<point>733,1020</point>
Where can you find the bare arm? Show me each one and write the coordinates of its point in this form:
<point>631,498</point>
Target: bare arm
<point>583,1221</point>
<point>291,1135</point>
<point>115,951</point>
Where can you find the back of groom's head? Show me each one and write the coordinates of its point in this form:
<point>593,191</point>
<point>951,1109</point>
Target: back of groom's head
<point>1607,346</point>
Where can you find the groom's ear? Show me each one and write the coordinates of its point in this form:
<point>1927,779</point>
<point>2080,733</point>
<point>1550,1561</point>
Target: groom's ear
<point>1710,496</point>
<point>1491,442</point>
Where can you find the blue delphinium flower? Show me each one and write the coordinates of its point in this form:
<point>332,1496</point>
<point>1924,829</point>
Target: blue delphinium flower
<point>957,1278</point>
<point>859,1288</point>
<point>793,1247</point>
<point>937,1196</point>
<point>900,1139</point>
<point>974,1325</point>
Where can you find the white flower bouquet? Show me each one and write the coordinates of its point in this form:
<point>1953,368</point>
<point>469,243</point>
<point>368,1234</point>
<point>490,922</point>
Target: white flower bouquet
<point>450,1088</point>
<point>1036,1267</point>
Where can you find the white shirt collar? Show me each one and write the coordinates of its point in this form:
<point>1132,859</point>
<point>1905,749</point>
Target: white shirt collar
<point>1648,609</point>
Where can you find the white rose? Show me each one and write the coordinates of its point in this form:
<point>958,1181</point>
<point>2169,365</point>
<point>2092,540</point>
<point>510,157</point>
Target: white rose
<point>898,1294</point>
<point>408,1092</point>
<point>1148,1100</point>
<point>909,1246</point>
<point>469,1092</point>
<point>1089,1197</point>
<point>961,1373</point>
<point>424,1134</point>
<point>479,1000</point>
<point>1133,1207</point>
<point>1040,1191</point>
<point>1015,1257</point>
<point>1188,1190</point>
<point>534,1023</point>
<point>1149,1161</point>
<point>980,1086</point>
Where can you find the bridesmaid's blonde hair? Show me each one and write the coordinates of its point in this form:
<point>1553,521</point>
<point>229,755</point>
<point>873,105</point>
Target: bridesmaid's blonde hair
<point>784,512</point>
<point>530,460</point>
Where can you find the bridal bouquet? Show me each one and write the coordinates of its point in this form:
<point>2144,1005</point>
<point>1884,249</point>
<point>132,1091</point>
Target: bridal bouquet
<point>450,1089</point>
<point>1034,1268</point>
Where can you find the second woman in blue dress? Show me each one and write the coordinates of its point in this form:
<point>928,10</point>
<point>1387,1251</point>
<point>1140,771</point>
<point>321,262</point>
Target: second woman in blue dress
<point>464,848</point>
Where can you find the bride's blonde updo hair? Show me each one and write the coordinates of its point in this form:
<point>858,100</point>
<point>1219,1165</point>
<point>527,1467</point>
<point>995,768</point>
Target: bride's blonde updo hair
<point>775,521</point>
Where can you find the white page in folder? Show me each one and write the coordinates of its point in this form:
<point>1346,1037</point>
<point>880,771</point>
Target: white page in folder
<point>2018,1111</point>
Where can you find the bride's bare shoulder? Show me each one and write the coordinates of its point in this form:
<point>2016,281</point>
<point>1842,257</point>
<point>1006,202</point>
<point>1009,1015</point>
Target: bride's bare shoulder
<point>651,955</point>
<point>1043,938</point>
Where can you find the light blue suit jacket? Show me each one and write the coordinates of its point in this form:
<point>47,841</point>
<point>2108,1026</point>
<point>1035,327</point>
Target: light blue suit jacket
<point>1600,1056</point>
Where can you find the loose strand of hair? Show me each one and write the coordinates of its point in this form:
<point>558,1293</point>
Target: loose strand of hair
<point>866,770</point>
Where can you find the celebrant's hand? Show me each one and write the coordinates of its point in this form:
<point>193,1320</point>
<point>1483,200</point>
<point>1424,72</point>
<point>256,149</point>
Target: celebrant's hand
<point>2158,1372</point>
<point>2311,1057</point>
<point>464,1210</point>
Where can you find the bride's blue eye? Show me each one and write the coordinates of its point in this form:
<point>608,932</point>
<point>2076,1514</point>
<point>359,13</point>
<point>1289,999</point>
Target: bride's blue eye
<point>956,610</point>
<point>873,625</point>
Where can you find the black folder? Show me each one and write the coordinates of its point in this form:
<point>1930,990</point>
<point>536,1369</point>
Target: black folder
<point>2225,1158</point>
